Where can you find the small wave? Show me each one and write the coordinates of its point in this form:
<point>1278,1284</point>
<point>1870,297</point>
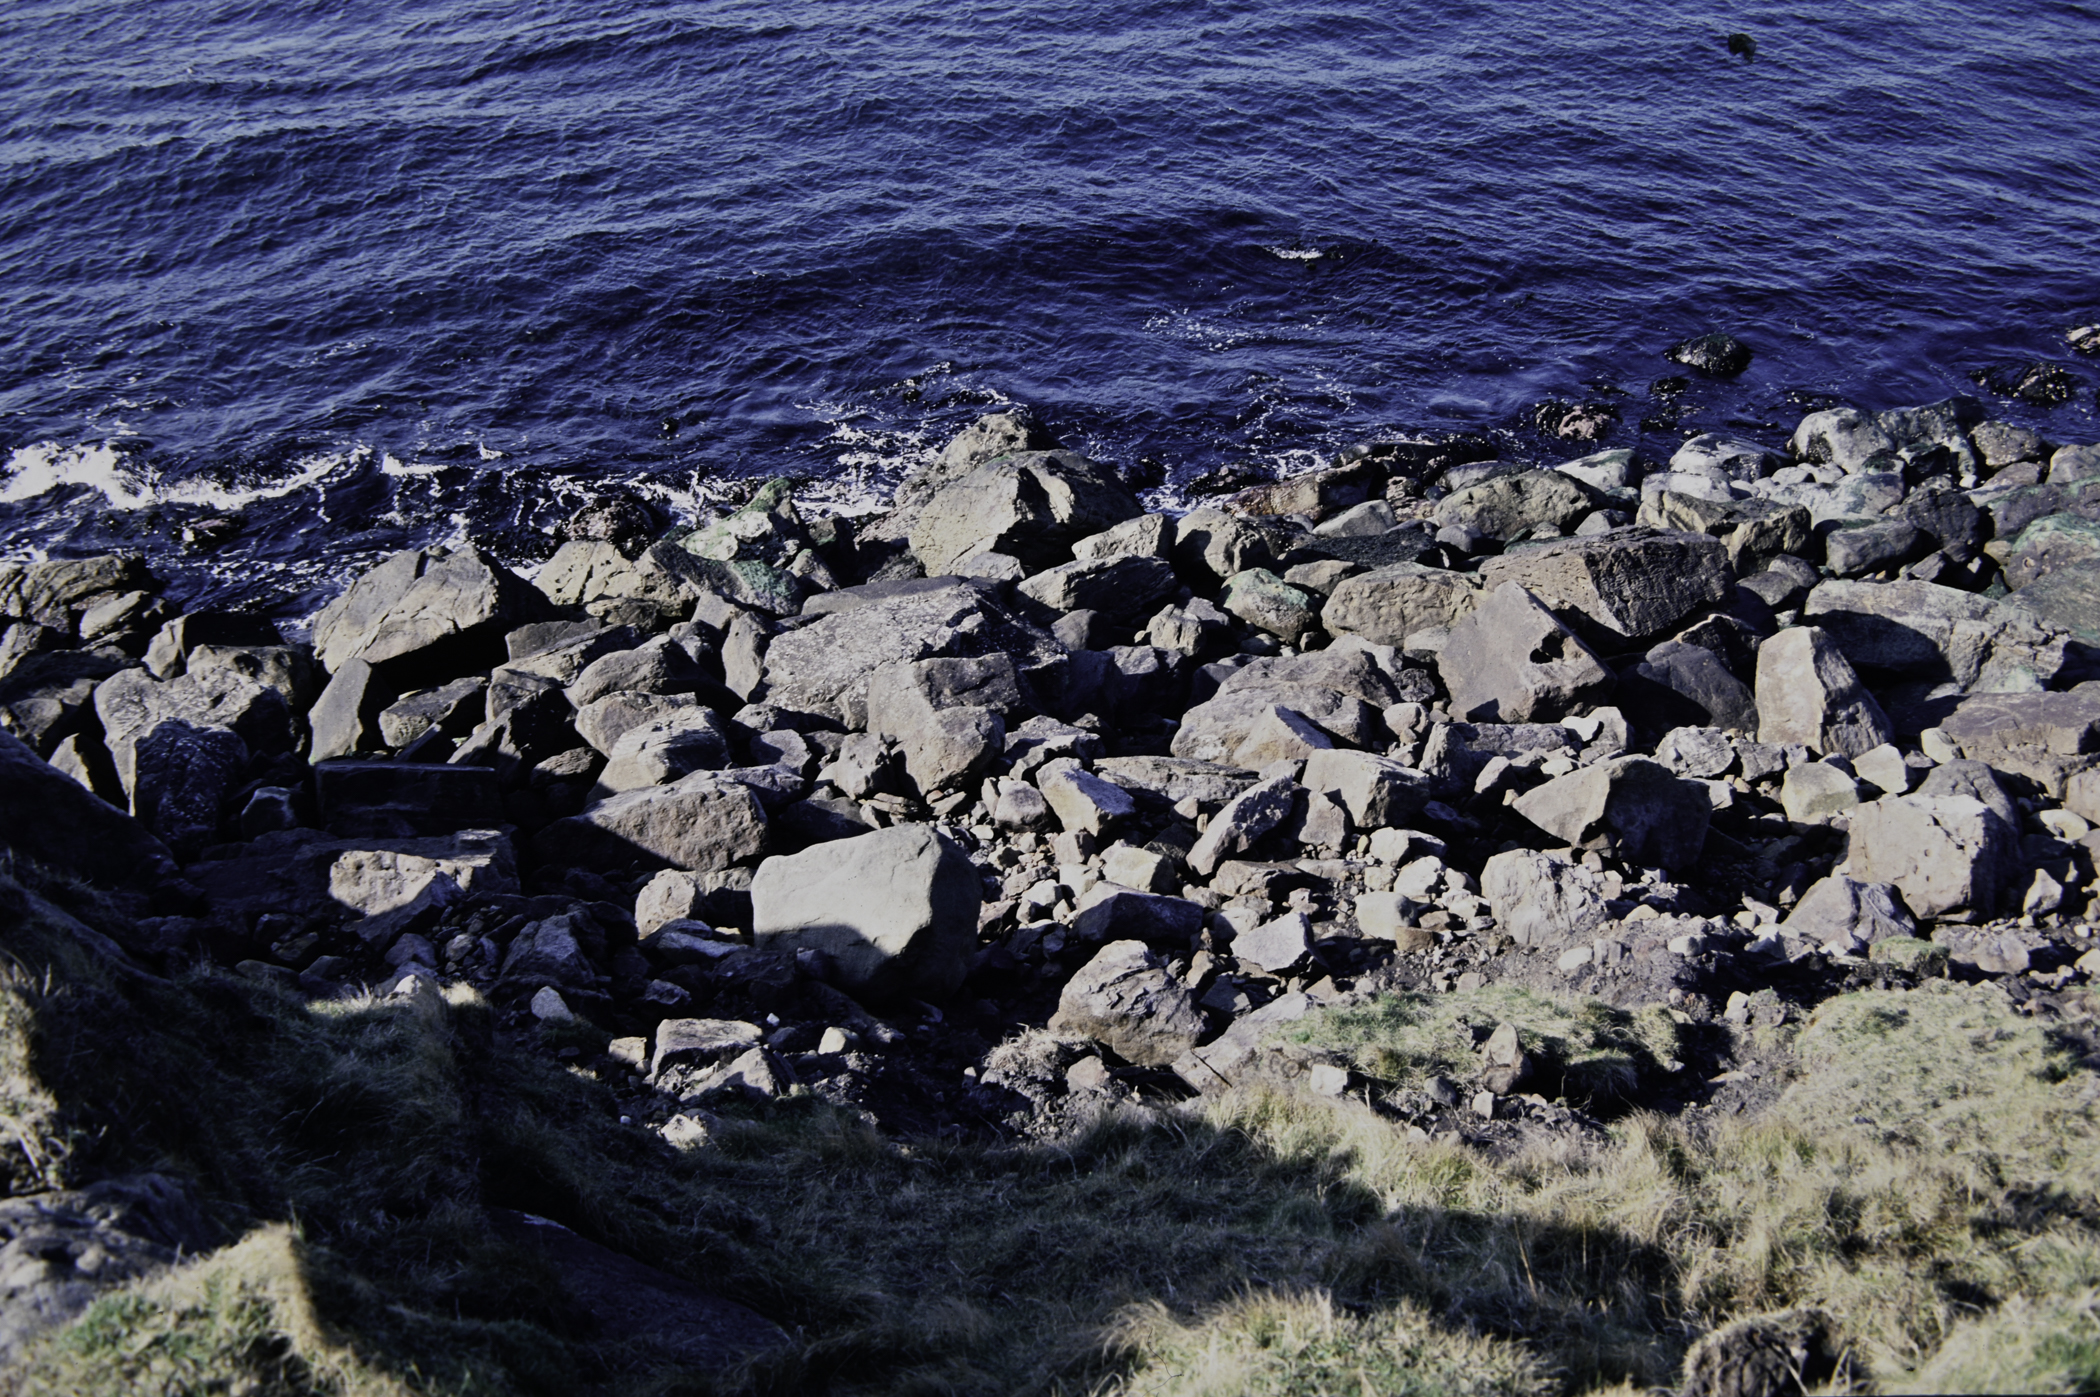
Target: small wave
<point>37,470</point>
<point>1296,254</point>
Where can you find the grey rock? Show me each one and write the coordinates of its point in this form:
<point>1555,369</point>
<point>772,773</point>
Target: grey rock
<point>345,720</point>
<point>1341,690</point>
<point>1111,912</point>
<point>1236,828</point>
<point>1318,494</point>
<point>1843,437</point>
<point>1175,779</point>
<point>700,1043</point>
<point>1751,533</point>
<point>55,593</point>
<point>405,798</point>
<point>1082,801</point>
<point>1126,587</point>
<point>1275,945</point>
<point>427,611</point>
<point>1031,505</point>
<point>547,952</point>
<point>48,817</point>
<point>1812,790</point>
<point>703,822</point>
<point>1631,807</point>
<point>1366,520</point>
<point>1842,914</point>
<point>604,721</point>
<point>1950,856</point>
<point>894,911</point>
<point>181,778</point>
<point>1016,805</point>
<point>2003,444</point>
<point>1280,734</point>
<point>658,666</point>
<point>658,753</point>
<point>1808,693</point>
<point>2041,736</point>
<point>1630,583</point>
<point>1506,506</point>
<point>1696,751</point>
<point>1378,792</point>
<point>169,650</point>
<point>449,709</point>
<point>1873,547</point>
<point>671,896</point>
<point>1676,684</point>
<point>1916,630</point>
<point>1147,536</point>
<point>1125,999</point>
<point>1975,780</point>
<point>132,703</point>
<point>1543,900</point>
<point>1211,545</point>
<point>1195,628</point>
<point>1268,603</point>
<point>1512,660</point>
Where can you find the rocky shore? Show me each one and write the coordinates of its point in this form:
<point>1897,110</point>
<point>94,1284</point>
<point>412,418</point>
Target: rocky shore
<point>1018,803</point>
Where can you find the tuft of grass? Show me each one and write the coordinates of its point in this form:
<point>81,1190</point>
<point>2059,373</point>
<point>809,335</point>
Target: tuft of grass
<point>1930,1186</point>
<point>1302,1346</point>
<point>1593,1054</point>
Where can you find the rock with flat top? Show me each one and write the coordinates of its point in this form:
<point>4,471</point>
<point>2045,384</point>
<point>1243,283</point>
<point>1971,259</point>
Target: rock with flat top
<point>1622,585</point>
<point>703,822</point>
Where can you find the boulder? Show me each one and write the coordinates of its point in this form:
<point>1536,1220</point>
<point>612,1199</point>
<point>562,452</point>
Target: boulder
<point>1845,916</point>
<point>1870,548</point>
<point>1083,802</point>
<point>1715,355</point>
<point>427,612</point>
<point>1125,999</point>
<point>1236,828</point>
<point>1031,505</point>
<point>1543,900</point>
<point>703,822</point>
<point>700,1043</point>
<point>1281,734</point>
<point>1807,693</point>
<point>1975,780</point>
<point>1318,493</point>
<point>450,709</point>
<point>1124,587</point>
<point>1950,857</point>
<point>2044,737</point>
<point>1621,585</point>
<point>1843,437</point>
<point>377,876</point>
<point>824,667</point>
<point>1276,945</point>
<point>1749,533</point>
<point>1211,545</point>
<point>547,952</point>
<point>1172,780</point>
<point>46,817</point>
<point>1680,685</point>
<point>603,722</point>
<point>1813,790</point>
<point>1919,631</point>
<point>1341,690</point>
<point>1631,807</point>
<point>345,719</point>
<point>1378,792</point>
<point>1390,605</point>
<point>1112,912</point>
<point>1512,660</point>
<point>657,666</point>
<point>1509,505</point>
<point>1196,627</point>
<point>1147,536</point>
<point>405,799</point>
<point>1268,603</point>
<point>894,912</point>
<point>658,753</point>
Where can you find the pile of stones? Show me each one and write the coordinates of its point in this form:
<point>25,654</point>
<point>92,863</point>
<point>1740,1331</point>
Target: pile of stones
<point>1019,799</point>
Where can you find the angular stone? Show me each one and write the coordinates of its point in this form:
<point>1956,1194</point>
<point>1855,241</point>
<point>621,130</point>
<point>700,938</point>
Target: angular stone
<point>1083,802</point>
<point>345,719</point>
<point>1843,915</point>
<point>1143,869</point>
<point>548,952</point>
<point>1884,769</point>
<point>1391,604</point>
<point>1125,588</point>
<point>1147,536</point>
<point>449,709</point>
<point>1236,828</point>
<point>427,611</point>
<point>656,754</point>
<point>1873,547</point>
<point>1032,505</point>
<point>1844,437</point>
<point>1542,900</point>
<point>1211,545</point>
<point>1319,493</point>
<point>46,816</point>
<point>1506,506</point>
<point>1696,751</point>
<point>1949,856</point>
<point>1280,734</point>
<point>1277,945</point>
<point>378,876</point>
<point>1125,999</point>
<point>1812,790</point>
<point>1109,912</point>
<point>700,1042</point>
<point>1917,630</point>
<point>1632,807</point>
<point>2042,736</point>
<point>1808,693</point>
<point>1512,661</point>
<point>657,666</point>
<point>1341,690</point>
<point>671,896</point>
<point>1268,603</point>
<point>603,722</point>
<point>1378,792</point>
<point>1618,586</point>
<point>895,912</point>
<point>407,798</point>
<point>1393,916</point>
<point>703,822</point>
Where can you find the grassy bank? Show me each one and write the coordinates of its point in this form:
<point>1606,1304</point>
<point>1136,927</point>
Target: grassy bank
<point>1932,1182</point>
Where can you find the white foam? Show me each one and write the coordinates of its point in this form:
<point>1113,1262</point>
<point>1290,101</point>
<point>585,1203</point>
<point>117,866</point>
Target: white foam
<point>36,470</point>
<point>390,464</point>
<point>1296,254</point>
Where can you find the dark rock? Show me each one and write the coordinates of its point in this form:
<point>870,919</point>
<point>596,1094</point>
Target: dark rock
<point>47,817</point>
<point>1125,999</point>
<point>1618,586</point>
<point>1717,355</point>
<point>400,799</point>
<point>702,822</point>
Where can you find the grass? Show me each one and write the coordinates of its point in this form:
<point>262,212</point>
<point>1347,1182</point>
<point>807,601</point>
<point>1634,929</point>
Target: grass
<point>1931,1185</point>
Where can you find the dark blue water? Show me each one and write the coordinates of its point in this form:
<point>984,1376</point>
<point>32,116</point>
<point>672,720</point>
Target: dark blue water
<point>369,274</point>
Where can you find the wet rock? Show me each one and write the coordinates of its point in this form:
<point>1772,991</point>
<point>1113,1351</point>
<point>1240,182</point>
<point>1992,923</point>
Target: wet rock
<point>702,822</point>
<point>1631,807</point>
<point>1031,505</point>
<point>1125,999</point>
<point>1949,856</point>
<point>1808,693</point>
<point>1543,900</point>
<point>1716,355</point>
<point>1512,660</point>
<point>894,912</point>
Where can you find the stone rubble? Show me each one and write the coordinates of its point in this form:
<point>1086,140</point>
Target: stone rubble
<point>1021,800</point>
